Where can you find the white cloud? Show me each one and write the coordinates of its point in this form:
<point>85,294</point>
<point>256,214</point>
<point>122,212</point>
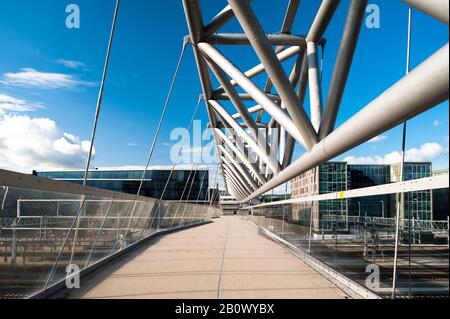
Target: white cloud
<point>28,77</point>
<point>38,143</point>
<point>426,153</point>
<point>132,145</point>
<point>378,139</point>
<point>71,64</point>
<point>437,123</point>
<point>12,104</point>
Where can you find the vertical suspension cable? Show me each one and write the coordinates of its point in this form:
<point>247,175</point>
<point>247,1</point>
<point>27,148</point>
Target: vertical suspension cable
<point>97,115</point>
<point>100,94</point>
<point>401,198</point>
<point>76,220</point>
<point>194,114</point>
<point>161,120</point>
<point>284,208</point>
<point>150,221</point>
<point>194,169</point>
<point>216,177</point>
<point>199,192</point>
<point>158,130</point>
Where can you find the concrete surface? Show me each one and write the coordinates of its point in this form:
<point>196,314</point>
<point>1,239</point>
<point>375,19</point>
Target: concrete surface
<point>227,259</point>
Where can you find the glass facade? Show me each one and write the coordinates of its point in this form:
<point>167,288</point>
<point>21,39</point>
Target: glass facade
<point>361,176</point>
<point>332,178</point>
<point>440,204</point>
<point>418,205</point>
<point>182,185</point>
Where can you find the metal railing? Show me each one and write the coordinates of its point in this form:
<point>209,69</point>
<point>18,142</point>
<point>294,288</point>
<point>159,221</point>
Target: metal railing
<point>423,225</point>
<point>49,227</point>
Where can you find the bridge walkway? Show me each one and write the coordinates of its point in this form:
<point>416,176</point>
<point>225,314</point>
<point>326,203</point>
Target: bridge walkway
<point>226,259</point>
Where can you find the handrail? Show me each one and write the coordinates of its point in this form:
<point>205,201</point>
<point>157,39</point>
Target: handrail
<point>27,181</point>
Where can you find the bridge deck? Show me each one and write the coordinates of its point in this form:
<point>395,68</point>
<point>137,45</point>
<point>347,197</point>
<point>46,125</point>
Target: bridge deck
<point>226,259</point>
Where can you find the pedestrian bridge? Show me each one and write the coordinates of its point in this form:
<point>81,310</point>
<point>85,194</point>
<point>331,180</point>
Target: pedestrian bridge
<point>53,233</point>
<point>228,259</point>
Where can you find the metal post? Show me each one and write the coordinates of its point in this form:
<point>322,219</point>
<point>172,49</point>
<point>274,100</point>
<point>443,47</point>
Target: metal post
<point>365,235</point>
<point>402,195</point>
<point>98,234</point>
<point>96,118</point>
<point>14,245</point>
<point>310,229</point>
<point>19,206</point>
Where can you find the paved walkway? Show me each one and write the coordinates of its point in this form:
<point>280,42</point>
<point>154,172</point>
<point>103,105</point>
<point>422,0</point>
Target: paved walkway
<point>226,259</point>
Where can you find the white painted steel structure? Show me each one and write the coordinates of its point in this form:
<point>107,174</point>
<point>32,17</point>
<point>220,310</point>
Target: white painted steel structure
<point>267,165</point>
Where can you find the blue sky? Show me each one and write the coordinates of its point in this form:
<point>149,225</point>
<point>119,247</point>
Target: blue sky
<point>146,47</point>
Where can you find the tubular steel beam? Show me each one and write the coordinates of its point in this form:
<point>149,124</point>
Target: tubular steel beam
<point>241,156</point>
<point>235,99</point>
<point>235,182</point>
<point>219,21</point>
<point>301,93</point>
<point>315,89</point>
<point>289,18</point>
<point>237,175</point>
<point>243,172</point>
<point>282,56</point>
<point>288,22</point>
<point>242,39</point>
<point>237,191</point>
<point>323,18</point>
<point>244,97</point>
<point>287,142</point>
<point>196,31</point>
<point>250,110</point>
<point>274,69</point>
<point>194,19</point>
<point>428,183</point>
<point>254,145</point>
<point>425,87</point>
<point>344,60</point>
<point>259,96</point>
<point>438,9</point>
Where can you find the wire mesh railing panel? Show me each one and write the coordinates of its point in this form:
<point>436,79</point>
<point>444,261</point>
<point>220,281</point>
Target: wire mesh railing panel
<point>47,235</point>
<point>361,246</point>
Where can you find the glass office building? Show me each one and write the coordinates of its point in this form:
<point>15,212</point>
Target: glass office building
<point>332,179</point>
<point>417,205</point>
<point>191,185</point>
<point>335,177</point>
<point>328,178</point>
<point>440,199</point>
<point>362,176</point>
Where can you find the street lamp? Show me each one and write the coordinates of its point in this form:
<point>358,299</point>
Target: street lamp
<point>359,210</point>
<point>416,204</point>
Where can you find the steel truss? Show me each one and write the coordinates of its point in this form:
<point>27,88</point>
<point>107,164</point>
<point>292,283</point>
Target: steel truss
<point>252,165</point>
